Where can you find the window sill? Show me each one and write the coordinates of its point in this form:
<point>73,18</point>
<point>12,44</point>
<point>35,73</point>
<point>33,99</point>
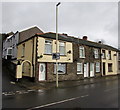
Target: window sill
<point>96,58</point>
<point>79,73</point>
<point>81,57</point>
<point>97,72</point>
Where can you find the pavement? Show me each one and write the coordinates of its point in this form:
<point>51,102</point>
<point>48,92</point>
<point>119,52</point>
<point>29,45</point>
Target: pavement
<point>63,84</point>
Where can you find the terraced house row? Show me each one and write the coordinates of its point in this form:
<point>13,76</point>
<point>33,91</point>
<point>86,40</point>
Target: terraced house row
<point>79,58</point>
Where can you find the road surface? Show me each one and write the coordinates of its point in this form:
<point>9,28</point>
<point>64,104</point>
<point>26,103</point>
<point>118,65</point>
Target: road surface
<point>98,95</point>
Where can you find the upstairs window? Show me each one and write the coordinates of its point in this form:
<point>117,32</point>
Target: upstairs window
<point>110,67</point>
<point>96,53</point>
<point>48,47</point>
<point>109,55</point>
<point>23,50</point>
<point>62,48</point>
<point>103,54</point>
<point>82,52</point>
<point>9,51</point>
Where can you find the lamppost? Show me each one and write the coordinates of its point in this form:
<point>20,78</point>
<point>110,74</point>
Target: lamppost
<point>57,43</point>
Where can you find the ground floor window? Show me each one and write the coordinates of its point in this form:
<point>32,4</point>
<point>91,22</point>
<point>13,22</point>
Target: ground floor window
<point>61,68</point>
<point>109,67</point>
<point>97,66</point>
<point>79,68</point>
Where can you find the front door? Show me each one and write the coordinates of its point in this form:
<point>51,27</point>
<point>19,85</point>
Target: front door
<point>42,71</point>
<point>92,70</point>
<point>86,70</point>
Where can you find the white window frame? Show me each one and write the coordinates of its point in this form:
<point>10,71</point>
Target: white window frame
<point>62,44</point>
<point>48,44</point>
<point>97,67</point>
<point>81,68</point>
<point>96,53</point>
<point>81,50</point>
<point>60,64</point>
<point>9,48</point>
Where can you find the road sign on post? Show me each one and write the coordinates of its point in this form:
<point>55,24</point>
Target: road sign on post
<point>55,56</point>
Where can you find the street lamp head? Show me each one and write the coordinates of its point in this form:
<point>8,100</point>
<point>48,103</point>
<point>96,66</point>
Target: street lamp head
<point>58,4</point>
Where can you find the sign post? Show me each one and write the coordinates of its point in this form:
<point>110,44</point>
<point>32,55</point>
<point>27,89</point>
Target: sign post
<point>57,43</point>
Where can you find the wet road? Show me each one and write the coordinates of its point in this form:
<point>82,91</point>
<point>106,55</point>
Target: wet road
<point>98,95</point>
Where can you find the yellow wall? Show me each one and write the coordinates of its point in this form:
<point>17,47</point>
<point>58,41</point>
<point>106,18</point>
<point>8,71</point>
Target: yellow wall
<point>27,56</point>
<point>113,61</point>
<point>48,58</point>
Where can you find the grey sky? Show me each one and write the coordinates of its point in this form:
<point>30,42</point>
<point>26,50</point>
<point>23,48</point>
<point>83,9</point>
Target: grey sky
<point>97,20</point>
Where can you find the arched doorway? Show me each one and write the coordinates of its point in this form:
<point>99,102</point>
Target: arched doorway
<point>26,66</point>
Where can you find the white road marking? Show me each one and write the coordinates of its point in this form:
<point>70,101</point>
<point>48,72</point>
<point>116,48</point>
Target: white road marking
<point>54,103</point>
<point>84,96</point>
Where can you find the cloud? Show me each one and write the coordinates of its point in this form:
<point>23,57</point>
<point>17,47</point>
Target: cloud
<point>97,20</point>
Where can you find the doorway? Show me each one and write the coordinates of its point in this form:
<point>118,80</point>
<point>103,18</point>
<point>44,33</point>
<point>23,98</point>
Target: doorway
<point>103,68</point>
<point>42,71</point>
<point>86,70</point>
<point>92,74</point>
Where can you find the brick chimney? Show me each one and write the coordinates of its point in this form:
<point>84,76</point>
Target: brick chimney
<point>84,37</point>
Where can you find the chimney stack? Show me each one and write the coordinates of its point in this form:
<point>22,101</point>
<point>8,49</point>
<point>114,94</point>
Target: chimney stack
<point>84,37</point>
<point>65,34</point>
<point>100,42</point>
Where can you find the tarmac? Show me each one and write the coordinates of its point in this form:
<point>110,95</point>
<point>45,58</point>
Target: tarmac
<point>64,84</point>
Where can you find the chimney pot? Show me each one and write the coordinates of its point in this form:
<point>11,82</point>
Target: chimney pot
<point>100,42</point>
<point>84,37</point>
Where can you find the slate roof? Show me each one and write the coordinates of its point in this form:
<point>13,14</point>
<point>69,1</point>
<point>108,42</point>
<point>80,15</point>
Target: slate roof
<point>76,40</point>
<point>72,39</point>
<point>23,35</point>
